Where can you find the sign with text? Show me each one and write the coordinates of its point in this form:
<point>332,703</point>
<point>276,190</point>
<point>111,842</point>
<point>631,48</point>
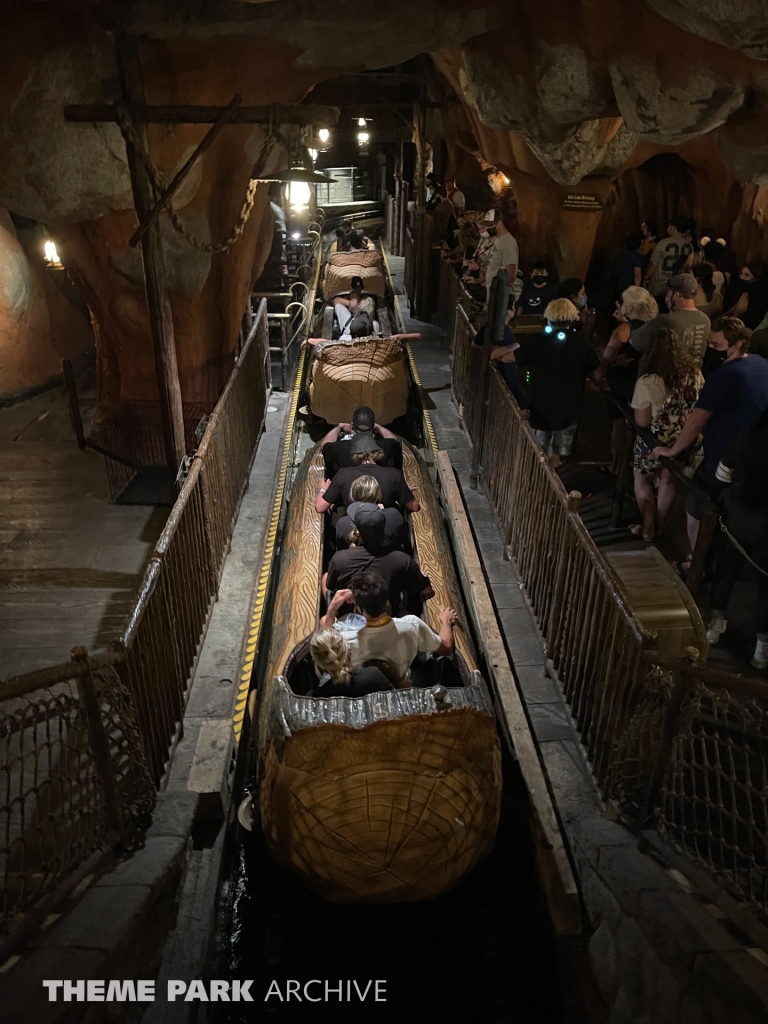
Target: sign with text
<point>585,202</point>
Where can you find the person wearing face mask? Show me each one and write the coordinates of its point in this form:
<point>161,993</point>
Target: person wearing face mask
<point>537,293</point>
<point>752,303</point>
<point>688,322</point>
<point>732,400</point>
<point>573,289</point>
<point>505,254</point>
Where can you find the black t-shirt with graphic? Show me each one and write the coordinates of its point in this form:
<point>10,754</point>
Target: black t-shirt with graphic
<point>533,301</point>
<point>553,371</point>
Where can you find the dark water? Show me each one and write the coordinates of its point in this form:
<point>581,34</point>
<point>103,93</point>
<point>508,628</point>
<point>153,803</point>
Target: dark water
<point>481,955</point>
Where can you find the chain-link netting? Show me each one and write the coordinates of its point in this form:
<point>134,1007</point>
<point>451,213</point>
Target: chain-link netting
<point>713,803</point>
<point>52,809</point>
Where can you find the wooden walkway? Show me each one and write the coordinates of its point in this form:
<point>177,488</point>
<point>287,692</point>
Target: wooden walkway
<point>70,561</point>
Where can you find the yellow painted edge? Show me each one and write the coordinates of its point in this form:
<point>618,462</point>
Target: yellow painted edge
<point>257,611</point>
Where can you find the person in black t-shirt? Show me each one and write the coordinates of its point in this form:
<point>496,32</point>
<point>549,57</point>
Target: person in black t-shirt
<point>537,293</point>
<point>333,665</point>
<point>553,366</point>
<point>337,448</point>
<point>369,553</point>
<point>366,493</point>
<point>394,490</point>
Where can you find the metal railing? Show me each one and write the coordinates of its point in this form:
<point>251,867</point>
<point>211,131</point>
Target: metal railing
<point>671,741</point>
<point>72,786</point>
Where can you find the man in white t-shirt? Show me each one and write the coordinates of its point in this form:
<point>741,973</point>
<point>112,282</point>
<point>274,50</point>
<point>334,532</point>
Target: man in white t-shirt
<point>505,254</point>
<point>397,640</point>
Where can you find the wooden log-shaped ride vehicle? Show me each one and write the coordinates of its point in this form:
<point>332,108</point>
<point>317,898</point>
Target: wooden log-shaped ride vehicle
<point>366,264</point>
<point>394,796</point>
<point>364,371</point>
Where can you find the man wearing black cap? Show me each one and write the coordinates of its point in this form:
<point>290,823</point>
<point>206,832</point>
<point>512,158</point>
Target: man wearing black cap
<point>688,322</point>
<point>370,553</point>
<point>337,450</point>
<point>366,452</point>
<point>366,493</point>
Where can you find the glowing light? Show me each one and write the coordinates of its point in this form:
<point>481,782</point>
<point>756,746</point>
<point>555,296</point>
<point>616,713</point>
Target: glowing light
<point>51,254</point>
<point>296,234</point>
<point>324,134</point>
<point>363,137</point>
<point>313,154</point>
<point>298,195</point>
<point>361,122</point>
<point>505,179</point>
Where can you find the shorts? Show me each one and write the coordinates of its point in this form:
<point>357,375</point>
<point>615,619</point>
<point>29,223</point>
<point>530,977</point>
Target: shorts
<point>559,441</point>
<point>707,481</point>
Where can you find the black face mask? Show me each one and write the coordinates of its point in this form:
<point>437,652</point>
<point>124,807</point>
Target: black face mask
<point>540,279</point>
<point>492,231</point>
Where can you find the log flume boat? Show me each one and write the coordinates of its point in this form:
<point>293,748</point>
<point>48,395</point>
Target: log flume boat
<point>391,797</point>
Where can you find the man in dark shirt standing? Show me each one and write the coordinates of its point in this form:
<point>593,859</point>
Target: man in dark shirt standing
<point>405,580</point>
<point>337,449</point>
<point>553,366</point>
<point>732,400</point>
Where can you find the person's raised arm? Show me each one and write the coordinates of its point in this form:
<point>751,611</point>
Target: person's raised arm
<point>692,427</point>
<point>385,432</point>
<point>321,505</point>
<point>328,621</point>
<point>448,617</point>
<point>332,435</point>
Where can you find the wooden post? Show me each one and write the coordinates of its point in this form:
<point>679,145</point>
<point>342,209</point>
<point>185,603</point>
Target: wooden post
<point>498,297</point>
<point>707,527</point>
<point>74,405</point>
<point>158,303</point>
<point>669,730</point>
<point>99,744</point>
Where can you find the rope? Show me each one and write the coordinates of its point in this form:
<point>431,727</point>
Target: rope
<point>739,548</point>
<point>157,184</point>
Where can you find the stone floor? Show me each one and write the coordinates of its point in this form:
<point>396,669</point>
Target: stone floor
<point>70,561</point>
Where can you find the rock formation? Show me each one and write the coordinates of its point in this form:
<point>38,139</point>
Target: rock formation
<point>567,97</point>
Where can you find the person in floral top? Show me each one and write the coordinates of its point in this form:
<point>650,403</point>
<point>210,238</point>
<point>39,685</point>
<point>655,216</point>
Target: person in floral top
<point>666,391</point>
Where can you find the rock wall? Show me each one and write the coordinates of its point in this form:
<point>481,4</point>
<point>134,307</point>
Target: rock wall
<point>572,96</point>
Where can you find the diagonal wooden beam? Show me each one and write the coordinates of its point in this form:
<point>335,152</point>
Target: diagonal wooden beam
<point>165,198</point>
<point>142,113</point>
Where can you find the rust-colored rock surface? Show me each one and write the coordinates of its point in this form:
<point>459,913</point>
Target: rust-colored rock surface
<point>567,97</point>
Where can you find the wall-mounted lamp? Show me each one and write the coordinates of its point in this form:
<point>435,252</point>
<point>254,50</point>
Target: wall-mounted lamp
<point>299,195</point>
<point>52,255</point>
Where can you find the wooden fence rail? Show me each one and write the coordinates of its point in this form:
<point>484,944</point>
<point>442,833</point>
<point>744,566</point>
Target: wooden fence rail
<point>671,741</point>
<point>85,745</point>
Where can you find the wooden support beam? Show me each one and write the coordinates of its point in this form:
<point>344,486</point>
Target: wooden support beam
<point>158,302</point>
<point>188,113</point>
<point>554,868</point>
<point>174,186</point>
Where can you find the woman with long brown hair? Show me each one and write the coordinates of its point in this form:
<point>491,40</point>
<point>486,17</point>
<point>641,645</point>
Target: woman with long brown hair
<point>666,391</point>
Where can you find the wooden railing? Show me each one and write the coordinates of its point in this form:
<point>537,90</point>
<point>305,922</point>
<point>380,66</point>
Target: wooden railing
<point>180,585</point>
<point>672,742</point>
<point>86,744</point>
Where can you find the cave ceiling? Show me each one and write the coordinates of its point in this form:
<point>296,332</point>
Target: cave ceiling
<point>586,87</point>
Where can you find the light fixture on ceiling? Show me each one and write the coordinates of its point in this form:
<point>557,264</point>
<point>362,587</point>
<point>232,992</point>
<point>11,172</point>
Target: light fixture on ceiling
<point>361,122</point>
<point>324,135</point>
<point>363,138</point>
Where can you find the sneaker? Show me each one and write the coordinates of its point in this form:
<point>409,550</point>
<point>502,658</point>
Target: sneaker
<point>760,659</point>
<point>717,626</point>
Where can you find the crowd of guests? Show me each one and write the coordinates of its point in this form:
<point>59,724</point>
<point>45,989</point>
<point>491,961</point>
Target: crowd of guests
<point>686,361</point>
<point>371,633</point>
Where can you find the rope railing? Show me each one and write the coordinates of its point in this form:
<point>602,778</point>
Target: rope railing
<point>671,742</point>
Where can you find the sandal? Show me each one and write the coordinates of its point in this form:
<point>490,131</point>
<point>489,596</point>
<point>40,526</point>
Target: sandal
<point>637,531</point>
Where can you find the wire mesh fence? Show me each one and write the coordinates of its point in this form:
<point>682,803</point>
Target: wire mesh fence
<point>74,778</point>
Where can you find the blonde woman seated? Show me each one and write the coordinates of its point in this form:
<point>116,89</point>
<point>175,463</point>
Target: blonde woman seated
<point>665,393</point>
<point>336,676</point>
